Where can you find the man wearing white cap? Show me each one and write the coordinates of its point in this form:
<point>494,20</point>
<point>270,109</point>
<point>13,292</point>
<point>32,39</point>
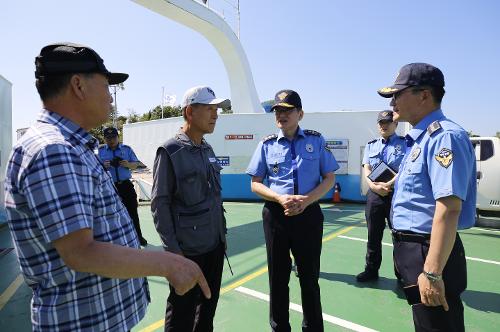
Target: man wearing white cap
<point>187,207</point>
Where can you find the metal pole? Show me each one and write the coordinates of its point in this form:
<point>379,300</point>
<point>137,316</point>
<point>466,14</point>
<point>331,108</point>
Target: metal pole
<point>238,19</point>
<point>162,98</point>
<point>115,113</point>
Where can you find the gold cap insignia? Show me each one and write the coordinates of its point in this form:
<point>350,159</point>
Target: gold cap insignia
<point>387,90</point>
<point>282,95</point>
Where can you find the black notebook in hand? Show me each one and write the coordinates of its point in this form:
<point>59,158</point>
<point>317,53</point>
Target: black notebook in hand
<point>382,173</point>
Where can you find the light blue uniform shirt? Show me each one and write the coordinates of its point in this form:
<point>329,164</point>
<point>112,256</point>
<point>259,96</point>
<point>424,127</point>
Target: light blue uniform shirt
<point>391,151</point>
<point>292,167</point>
<point>436,165</point>
<point>123,151</point>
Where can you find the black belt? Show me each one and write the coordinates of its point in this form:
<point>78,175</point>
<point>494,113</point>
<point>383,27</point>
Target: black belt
<point>408,236</point>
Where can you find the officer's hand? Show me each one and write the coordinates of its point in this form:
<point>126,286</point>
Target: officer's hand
<point>432,294</point>
<point>183,274</point>
<point>124,163</point>
<point>286,201</point>
<point>381,188</point>
<point>107,163</point>
<point>301,202</point>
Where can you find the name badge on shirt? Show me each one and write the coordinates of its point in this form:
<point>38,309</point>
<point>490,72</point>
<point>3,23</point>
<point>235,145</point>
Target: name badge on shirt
<point>415,154</point>
<point>212,159</point>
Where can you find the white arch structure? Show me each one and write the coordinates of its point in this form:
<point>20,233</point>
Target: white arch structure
<point>200,18</point>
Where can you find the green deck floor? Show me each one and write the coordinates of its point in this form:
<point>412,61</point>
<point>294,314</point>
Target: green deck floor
<point>378,305</point>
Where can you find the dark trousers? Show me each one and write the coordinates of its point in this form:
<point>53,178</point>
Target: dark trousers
<point>302,235</point>
<point>410,256</point>
<point>192,311</point>
<point>377,211</point>
<point>129,199</point>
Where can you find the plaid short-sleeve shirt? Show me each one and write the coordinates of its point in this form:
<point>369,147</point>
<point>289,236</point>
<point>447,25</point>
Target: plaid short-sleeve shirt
<point>55,185</point>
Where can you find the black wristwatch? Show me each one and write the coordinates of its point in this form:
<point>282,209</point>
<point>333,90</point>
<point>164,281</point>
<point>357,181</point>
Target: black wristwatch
<point>433,277</point>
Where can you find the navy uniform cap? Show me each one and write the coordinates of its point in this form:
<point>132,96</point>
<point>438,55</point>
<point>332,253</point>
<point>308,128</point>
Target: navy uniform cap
<point>414,74</point>
<point>67,58</point>
<point>110,132</point>
<point>385,116</point>
<point>288,99</point>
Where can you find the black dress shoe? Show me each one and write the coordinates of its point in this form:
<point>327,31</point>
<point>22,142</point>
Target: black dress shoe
<point>367,275</point>
<point>143,242</point>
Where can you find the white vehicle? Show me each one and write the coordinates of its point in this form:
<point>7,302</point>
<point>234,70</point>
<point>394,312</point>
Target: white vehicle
<point>488,177</point>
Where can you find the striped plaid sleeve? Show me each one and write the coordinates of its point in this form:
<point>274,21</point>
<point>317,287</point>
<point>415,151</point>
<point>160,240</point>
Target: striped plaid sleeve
<point>59,190</point>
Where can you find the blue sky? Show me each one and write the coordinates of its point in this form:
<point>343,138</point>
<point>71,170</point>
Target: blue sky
<point>336,54</point>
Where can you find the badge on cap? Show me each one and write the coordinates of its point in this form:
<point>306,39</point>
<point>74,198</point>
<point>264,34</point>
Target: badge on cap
<point>282,95</point>
<point>415,154</point>
<point>444,157</point>
<point>275,168</point>
<point>309,148</point>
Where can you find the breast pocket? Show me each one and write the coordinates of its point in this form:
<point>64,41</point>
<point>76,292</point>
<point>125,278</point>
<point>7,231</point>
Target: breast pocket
<point>414,174</point>
<point>310,163</point>
<point>193,188</point>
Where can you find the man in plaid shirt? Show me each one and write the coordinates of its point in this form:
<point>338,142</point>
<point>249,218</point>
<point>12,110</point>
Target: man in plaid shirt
<point>76,243</point>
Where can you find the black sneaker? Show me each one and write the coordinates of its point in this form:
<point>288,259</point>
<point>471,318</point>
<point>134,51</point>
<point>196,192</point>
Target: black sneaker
<point>367,275</point>
<point>143,242</point>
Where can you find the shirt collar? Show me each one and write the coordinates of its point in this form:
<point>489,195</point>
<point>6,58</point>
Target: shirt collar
<point>68,128</point>
<point>421,127</point>
<point>300,132</point>
<point>181,136</point>
<point>385,141</point>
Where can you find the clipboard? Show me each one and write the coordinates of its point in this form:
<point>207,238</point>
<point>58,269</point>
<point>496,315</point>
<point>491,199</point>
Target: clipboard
<point>382,173</point>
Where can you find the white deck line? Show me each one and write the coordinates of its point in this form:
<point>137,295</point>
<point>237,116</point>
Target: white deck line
<point>390,245</point>
<point>295,307</point>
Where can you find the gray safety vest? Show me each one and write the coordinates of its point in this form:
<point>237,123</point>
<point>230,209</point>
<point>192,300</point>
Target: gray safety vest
<point>196,205</point>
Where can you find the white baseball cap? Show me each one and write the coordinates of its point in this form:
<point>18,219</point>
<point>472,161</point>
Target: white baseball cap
<point>204,95</point>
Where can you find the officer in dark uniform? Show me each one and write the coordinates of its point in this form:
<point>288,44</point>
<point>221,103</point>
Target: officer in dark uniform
<point>299,170</point>
<point>434,195</point>
<point>385,151</point>
<point>119,159</point>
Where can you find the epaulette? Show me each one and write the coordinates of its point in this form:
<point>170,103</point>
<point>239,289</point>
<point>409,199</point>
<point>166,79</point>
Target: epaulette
<point>372,141</point>
<point>101,146</point>
<point>402,137</point>
<point>269,137</point>
<point>311,132</point>
<point>433,127</point>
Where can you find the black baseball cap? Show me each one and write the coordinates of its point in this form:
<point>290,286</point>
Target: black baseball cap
<point>414,74</point>
<point>385,116</point>
<point>288,99</point>
<point>66,58</point>
<point>110,132</point>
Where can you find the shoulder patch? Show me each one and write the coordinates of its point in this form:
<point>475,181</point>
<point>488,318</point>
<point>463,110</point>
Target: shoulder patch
<point>433,127</point>
<point>444,157</point>
<point>311,132</point>
<point>102,146</point>
<point>269,137</point>
<point>372,141</point>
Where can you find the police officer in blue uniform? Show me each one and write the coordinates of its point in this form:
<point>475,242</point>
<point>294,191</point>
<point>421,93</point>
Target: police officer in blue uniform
<point>119,159</point>
<point>434,195</point>
<point>299,170</point>
<point>389,149</point>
